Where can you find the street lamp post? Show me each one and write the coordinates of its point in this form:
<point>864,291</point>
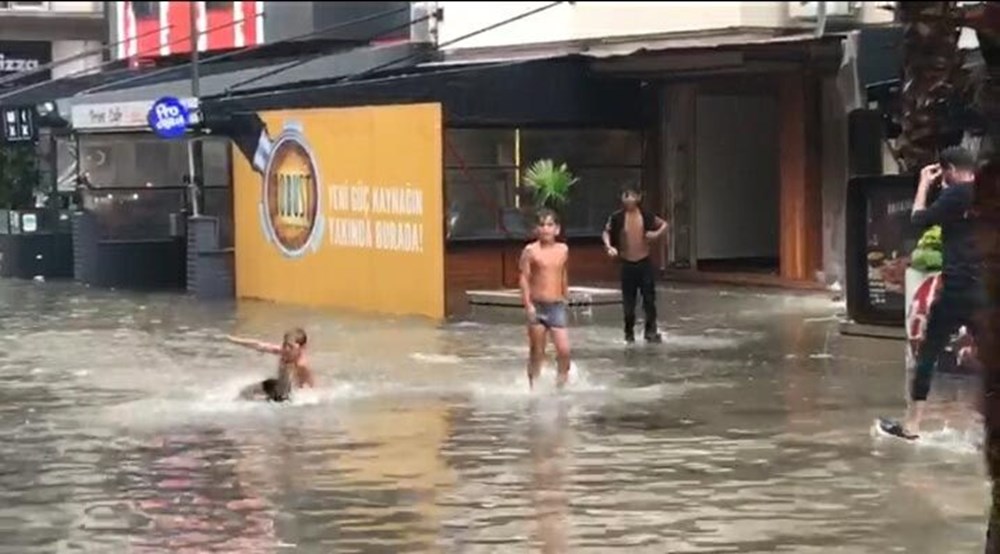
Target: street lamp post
<point>195,152</point>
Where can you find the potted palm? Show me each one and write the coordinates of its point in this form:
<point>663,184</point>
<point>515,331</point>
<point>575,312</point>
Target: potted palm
<point>550,185</point>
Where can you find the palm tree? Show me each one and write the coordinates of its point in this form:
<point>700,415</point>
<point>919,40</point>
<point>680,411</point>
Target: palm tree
<point>985,19</point>
<point>933,80</point>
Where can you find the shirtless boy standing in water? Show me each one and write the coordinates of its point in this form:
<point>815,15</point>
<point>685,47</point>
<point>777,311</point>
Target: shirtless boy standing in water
<point>292,367</point>
<point>628,236</point>
<point>544,289</point>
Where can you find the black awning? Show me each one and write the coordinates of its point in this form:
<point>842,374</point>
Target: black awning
<point>24,95</point>
<point>32,95</point>
<point>548,92</point>
<point>217,79</point>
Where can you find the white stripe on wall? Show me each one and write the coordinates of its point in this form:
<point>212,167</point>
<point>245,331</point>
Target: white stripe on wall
<point>133,40</point>
<point>122,38</point>
<point>202,25</point>
<point>239,36</point>
<point>259,21</point>
<point>164,28</point>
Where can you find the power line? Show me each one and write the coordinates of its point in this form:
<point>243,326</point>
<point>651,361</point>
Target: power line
<point>456,40</point>
<point>74,57</point>
<point>111,62</point>
<point>443,44</point>
<point>304,61</point>
<point>233,53</point>
<point>256,93</point>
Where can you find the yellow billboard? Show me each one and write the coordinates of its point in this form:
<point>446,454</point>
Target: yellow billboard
<point>342,207</point>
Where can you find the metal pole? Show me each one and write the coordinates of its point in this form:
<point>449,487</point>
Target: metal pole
<point>194,144</point>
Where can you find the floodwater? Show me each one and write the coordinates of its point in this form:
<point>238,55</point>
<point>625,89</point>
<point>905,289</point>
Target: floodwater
<point>749,430</point>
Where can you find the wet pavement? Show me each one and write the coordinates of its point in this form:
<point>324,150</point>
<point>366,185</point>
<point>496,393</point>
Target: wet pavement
<point>748,430</point>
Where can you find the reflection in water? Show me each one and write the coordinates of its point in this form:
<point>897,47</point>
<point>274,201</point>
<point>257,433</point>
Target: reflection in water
<point>747,431</point>
<point>547,439</point>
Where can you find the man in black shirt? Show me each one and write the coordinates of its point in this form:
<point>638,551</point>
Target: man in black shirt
<point>961,292</point>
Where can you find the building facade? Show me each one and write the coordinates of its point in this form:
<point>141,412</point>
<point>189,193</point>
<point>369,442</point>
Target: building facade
<point>744,140</point>
<point>733,116</point>
<point>147,31</point>
<point>33,34</point>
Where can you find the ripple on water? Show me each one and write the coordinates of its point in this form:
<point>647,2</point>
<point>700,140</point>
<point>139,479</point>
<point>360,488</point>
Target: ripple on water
<point>120,432</point>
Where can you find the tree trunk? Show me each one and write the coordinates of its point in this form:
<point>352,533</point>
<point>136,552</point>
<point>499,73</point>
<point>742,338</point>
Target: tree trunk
<point>932,79</point>
<point>986,21</point>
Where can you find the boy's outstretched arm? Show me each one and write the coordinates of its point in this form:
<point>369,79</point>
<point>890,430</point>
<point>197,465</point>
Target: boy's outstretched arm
<point>265,347</point>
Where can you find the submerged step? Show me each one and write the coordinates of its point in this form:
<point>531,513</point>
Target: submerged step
<point>578,296</point>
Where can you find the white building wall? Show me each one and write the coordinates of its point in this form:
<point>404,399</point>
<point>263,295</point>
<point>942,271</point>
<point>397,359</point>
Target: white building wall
<point>77,7</point>
<point>590,20</point>
<point>63,49</point>
<point>594,20</point>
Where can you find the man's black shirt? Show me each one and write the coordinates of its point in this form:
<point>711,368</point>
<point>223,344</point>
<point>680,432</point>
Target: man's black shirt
<point>952,211</point>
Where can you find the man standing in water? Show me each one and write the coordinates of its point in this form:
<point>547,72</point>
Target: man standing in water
<point>544,290</point>
<point>961,293</point>
<point>627,236</point>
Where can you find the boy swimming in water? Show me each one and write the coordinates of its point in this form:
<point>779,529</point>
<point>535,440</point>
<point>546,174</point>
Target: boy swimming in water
<point>292,367</point>
<point>544,290</point>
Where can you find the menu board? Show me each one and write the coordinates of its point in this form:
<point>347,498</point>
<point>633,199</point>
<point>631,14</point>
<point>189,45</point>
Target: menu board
<point>880,238</point>
<point>889,241</point>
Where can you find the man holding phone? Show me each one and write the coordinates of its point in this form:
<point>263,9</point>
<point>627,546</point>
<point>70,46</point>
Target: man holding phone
<point>961,294</point>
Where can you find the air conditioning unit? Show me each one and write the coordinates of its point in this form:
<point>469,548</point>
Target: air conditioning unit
<point>810,10</point>
<point>424,28</point>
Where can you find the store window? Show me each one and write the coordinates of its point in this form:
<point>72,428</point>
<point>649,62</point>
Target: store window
<point>135,182</point>
<point>146,10</point>
<point>480,182</point>
<point>482,166</point>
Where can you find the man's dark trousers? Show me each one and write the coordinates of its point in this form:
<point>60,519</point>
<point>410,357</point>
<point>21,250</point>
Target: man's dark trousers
<point>639,277</point>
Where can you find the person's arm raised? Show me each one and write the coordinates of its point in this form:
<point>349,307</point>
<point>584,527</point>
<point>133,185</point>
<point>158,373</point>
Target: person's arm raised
<point>265,347</point>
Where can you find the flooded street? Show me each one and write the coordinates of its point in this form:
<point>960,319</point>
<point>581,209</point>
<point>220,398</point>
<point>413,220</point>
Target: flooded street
<point>749,430</point>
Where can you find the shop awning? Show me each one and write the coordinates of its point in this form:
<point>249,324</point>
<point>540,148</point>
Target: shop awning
<point>697,56</point>
<point>554,91</point>
<point>323,67</point>
<point>32,95</point>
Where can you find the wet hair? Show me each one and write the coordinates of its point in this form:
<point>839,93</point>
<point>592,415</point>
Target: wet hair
<point>958,158</point>
<point>295,337</point>
<point>544,214</point>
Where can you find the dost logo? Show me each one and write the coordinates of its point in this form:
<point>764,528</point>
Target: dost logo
<point>290,202</point>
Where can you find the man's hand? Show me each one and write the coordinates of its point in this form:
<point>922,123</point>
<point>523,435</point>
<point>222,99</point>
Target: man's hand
<point>531,312</point>
<point>929,174</point>
<point>652,235</point>
<point>611,251</point>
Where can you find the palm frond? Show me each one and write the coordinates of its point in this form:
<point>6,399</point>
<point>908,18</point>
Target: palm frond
<point>551,184</point>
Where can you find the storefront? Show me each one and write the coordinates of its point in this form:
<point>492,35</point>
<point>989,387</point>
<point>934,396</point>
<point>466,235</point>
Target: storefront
<point>24,56</point>
<point>135,189</point>
<point>747,154</point>
<point>457,139</point>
